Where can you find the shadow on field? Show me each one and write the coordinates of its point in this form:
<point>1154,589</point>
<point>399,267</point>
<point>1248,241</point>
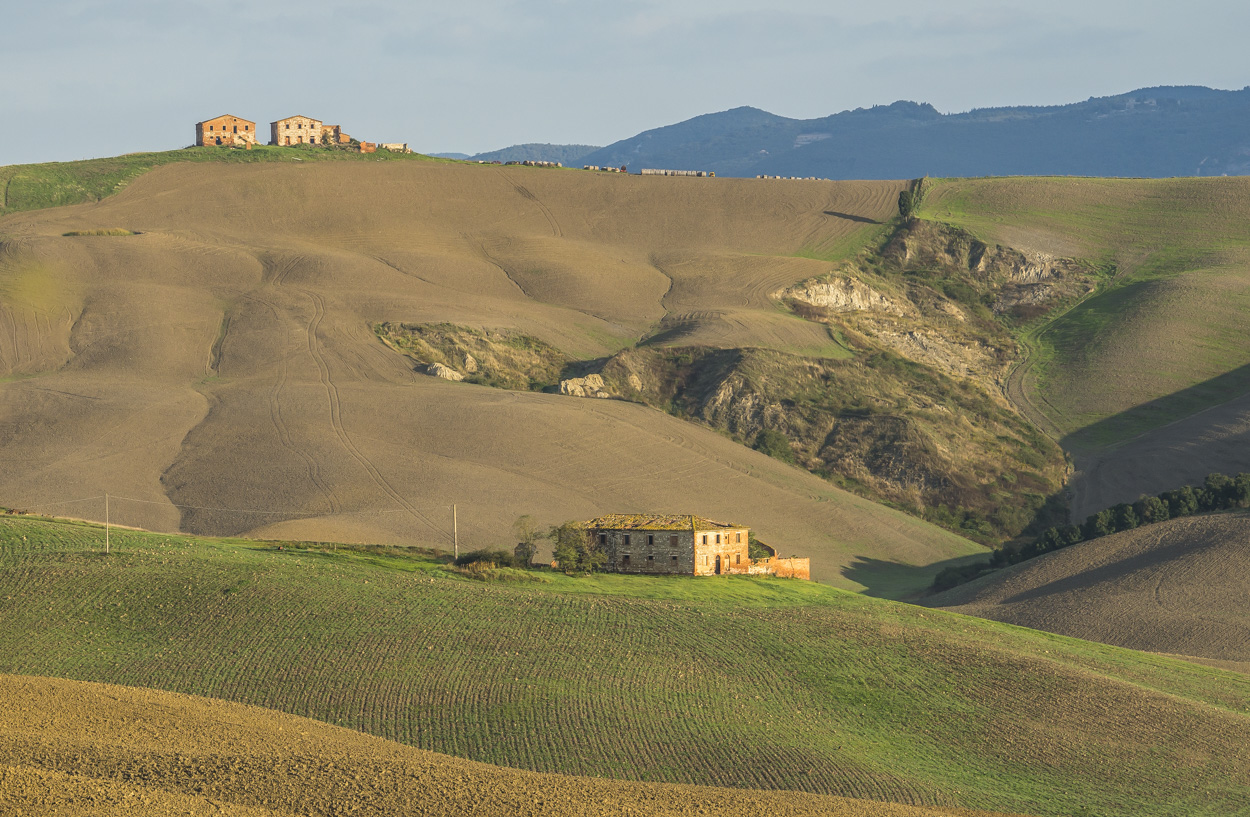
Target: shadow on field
<point>1153,414</point>
<point>892,580</point>
<point>849,217</point>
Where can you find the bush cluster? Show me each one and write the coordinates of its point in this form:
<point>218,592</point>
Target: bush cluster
<point>1218,492</point>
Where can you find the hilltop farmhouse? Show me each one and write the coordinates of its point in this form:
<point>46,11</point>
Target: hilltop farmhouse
<point>685,545</point>
<point>227,130</point>
<point>295,130</point>
<point>234,131</point>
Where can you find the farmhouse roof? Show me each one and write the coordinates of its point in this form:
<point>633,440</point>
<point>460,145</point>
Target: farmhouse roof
<point>296,116</point>
<point>223,116</point>
<point>655,521</point>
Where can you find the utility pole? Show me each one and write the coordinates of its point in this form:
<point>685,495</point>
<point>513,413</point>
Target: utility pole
<point>106,523</point>
<point>455,533</point>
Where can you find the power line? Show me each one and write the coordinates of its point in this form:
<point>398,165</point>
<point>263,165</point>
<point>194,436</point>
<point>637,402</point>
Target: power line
<point>66,502</point>
<point>299,512</point>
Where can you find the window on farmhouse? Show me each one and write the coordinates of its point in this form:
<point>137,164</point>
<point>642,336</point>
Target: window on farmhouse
<point>737,538</point>
<point>650,538</point>
<point>603,538</point>
<point>674,558</point>
<point>672,540</point>
<point>718,538</point>
<point>738,559</point>
<point>625,560</point>
<point>705,538</point>
<point>650,559</point>
<point>627,540</point>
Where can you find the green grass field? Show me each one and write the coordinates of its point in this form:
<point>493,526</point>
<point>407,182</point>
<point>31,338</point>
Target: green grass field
<point>1169,321</point>
<point>724,681</point>
<point>55,184</point>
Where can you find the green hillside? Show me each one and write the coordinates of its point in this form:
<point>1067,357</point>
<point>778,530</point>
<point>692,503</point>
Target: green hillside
<point>1164,337</point>
<point>725,681</point>
<point>56,184</point>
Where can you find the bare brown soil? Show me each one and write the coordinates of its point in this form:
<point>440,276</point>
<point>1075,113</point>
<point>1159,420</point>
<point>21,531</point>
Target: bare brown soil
<point>78,748</point>
<point>1180,453</point>
<point>1176,587</point>
<point>223,358</point>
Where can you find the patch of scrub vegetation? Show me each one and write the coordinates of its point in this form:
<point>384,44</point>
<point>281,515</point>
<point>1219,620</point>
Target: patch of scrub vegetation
<point>56,184</point>
<point>111,231</point>
<point>879,425</point>
<point>730,681</point>
<point>491,357</point>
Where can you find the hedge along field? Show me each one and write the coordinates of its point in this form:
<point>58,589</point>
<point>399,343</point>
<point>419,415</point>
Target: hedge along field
<point>724,681</point>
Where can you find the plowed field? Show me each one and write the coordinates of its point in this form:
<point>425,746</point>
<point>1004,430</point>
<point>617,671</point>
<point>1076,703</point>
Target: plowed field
<point>216,373</point>
<point>1175,587</point>
<point>726,681</point>
<point>77,748</point>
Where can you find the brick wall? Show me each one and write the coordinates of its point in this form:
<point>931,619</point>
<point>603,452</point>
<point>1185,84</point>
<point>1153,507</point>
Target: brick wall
<point>226,131</point>
<point>295,130</point>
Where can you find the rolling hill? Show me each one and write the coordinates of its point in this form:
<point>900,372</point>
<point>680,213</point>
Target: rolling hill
<point>157,753</point>
<point>1145,382</point>
<point>726,681</point>
<point>1174,587</point>
<point>1151,132</point>
<point>217,371</point>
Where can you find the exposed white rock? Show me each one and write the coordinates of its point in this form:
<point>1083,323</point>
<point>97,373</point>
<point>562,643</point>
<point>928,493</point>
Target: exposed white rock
<point>841,295</point>
<point>470,365</point>
<point>591,385</point>
<point>445,372</point>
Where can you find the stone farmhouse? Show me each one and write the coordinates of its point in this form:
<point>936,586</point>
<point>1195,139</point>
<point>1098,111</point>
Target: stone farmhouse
<point>295,130</point>
<point>226,130</point>
<point>684,545</point>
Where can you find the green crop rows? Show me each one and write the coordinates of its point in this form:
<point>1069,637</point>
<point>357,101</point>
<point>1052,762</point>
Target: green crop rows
<point>723,681</point>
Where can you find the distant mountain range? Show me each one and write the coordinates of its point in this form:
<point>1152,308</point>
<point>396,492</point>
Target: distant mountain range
<point>568,155</point>
<point>1152,132</point>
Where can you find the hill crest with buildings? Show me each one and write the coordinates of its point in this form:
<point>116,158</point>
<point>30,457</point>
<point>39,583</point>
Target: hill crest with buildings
<point>233,131</point>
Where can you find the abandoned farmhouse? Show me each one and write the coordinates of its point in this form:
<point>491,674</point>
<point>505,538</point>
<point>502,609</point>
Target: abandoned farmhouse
<point>685,544</point>
<point>234,131</point>
<point>227,131</point>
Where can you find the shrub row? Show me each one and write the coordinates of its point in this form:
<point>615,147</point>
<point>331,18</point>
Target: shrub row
<point>1217,493</point>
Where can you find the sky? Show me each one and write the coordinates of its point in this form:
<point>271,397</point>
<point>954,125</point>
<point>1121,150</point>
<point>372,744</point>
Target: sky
<point>89,78</point>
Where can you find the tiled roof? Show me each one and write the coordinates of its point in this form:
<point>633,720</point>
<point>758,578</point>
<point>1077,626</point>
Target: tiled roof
<point>655,521</point>
<point>226,116</point>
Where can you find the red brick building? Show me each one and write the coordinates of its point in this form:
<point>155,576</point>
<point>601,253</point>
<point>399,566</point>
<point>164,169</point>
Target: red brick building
<point>226,131</point>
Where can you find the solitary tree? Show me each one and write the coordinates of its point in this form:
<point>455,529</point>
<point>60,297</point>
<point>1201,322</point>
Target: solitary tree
<point>527,534</point>
<point>575,549</point>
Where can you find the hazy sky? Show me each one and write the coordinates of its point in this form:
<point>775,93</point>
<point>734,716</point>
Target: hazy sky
<point>88,78</point>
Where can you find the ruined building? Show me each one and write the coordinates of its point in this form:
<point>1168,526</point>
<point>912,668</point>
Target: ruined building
<point>226,131</point>
<point>684,544</point>
<point>295,130</point>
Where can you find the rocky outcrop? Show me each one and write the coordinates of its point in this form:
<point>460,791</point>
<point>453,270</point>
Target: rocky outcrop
<point>1019,282</point>
<point>591,385</point>
<point>842,294</point>
<point>445,372</point>
<point>966,358</point>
